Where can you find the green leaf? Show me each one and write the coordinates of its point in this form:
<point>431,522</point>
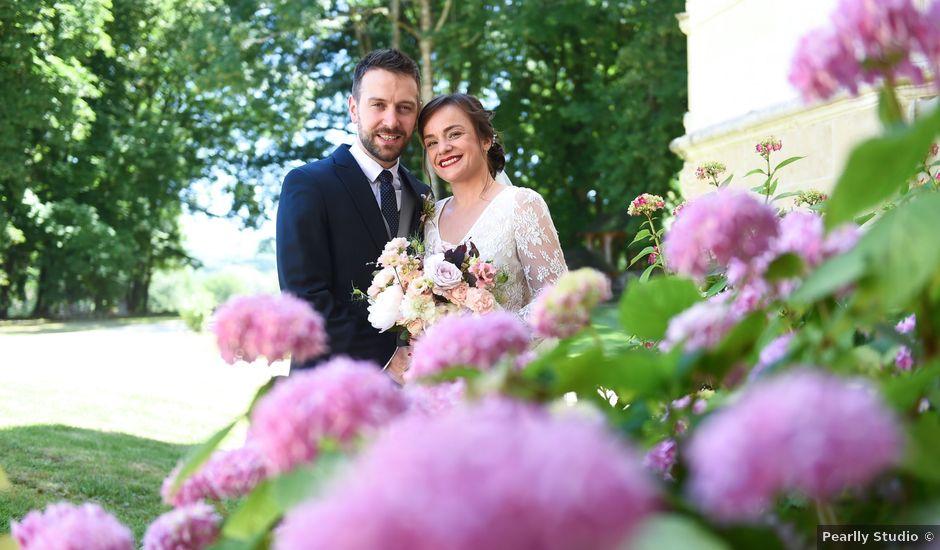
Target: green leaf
<point>785,195</point>
<point>255,543</point>
<point>674,532</point>
<point>646,308</point>
<point>641,234</point>
<point>755,171</point>
<point>198,456</point>
<point>786,162</point>
<point>633,372</point>
<point>717,287</point>
<point>262,391</point>
<point>879,167</point>
<point>831,276</point>
<point>904,391</point>
<point>785,266</point>
<point>643,253</point>
<point>924,448</point>
<point>860,220</point>
<point>307,481</point>
<point>256,513</point>
<point>647,272</point>
<point>726,181</point>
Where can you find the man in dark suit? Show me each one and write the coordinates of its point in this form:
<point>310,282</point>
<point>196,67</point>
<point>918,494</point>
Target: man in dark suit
<point>336,214</point>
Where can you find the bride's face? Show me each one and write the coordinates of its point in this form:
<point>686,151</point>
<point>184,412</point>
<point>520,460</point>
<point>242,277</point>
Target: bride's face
<point>453,147</point>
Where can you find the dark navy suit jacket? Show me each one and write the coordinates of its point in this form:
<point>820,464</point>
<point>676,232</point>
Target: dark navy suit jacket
<point>330,232</point>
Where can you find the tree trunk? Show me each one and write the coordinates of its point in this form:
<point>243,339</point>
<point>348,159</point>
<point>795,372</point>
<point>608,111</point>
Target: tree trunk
<point>426,44</point>
<point>395,16</point>
<point>41,309</point>
<point>138,293</point>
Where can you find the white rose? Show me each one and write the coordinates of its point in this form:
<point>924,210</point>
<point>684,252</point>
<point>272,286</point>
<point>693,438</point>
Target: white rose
<point>382,279</point>
<point>442,273</point>
<point>384,312</point>
<point>396,245</point>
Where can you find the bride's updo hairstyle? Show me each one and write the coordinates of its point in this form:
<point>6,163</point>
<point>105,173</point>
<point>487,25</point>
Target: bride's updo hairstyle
<point>482,124</point>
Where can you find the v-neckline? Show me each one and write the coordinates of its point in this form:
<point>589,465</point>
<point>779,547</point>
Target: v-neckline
<point>473,225</point>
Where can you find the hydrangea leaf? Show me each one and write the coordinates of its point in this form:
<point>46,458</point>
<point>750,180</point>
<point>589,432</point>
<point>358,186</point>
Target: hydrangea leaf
<point>200,454</point>
<point>646,308</point>
<point>674,532</point>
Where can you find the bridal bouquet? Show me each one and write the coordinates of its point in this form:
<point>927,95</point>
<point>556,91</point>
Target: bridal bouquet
<point>411,291</point>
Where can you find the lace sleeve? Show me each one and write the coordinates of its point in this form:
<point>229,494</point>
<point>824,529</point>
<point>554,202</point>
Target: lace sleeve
<point>537,243</point>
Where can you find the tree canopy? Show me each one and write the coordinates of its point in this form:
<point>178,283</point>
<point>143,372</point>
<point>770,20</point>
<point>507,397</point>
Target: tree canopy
<point>114,111</point>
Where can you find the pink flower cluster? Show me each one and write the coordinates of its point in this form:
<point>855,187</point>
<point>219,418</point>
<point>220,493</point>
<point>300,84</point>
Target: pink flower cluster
<point>774,351</point>
<point>192,527</point>
<point>792,433</point>
<point>493,475</point>
<point>869,40</point>
<point>701,326</point>
<point>645,205</point>
<point>476,341</point>
<point>226,475</point>
<point>661,458</point>
<point>710,170</point>
<point>433,399</point>
<point>65,526</point>
<point>563,309</point>
<point>904,359</point>
<point>336,400</point>
<point>768,146</point>
<point>273,327</point>
<point>716,228</point>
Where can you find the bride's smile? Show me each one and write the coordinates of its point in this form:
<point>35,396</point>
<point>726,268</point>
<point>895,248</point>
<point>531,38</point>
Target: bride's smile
<point>457,153</point>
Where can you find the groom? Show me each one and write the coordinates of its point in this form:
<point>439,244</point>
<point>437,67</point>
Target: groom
<point>336,214</point>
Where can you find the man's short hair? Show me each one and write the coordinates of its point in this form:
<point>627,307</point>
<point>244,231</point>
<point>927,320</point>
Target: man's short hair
<point>388,59</point>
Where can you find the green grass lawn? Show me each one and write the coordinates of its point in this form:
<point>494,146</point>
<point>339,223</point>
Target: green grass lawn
<point>120,472</point>
<point>102,411</point>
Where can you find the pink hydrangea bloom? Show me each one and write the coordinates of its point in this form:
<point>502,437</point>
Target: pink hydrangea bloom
<point>661,458</point>
<point>702,326</point>
<point>273,327</point>
<point>564,308</point>
<point>774,351</point>
<point>65,526</point>
<point>435,398</point>
<point>496,475</point>
<point>791,433</point>
<point>192,527</point>
<point>717,227</point>
<point>906,325</point>
<point>801,233</point>
<point>226,475</point>
<point>868,35</point>
<point>470,341</point>
<point>904,360</point>
<point>841,240</point>
<point>336,400</point>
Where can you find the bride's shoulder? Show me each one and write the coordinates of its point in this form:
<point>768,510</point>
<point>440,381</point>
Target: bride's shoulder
<point>526,197</point>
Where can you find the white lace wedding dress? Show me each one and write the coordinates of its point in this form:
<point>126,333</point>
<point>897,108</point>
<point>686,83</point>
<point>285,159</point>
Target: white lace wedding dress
<point>515,232</point>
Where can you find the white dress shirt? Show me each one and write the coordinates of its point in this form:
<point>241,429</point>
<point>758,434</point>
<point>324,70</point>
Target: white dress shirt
<point>372,169</point>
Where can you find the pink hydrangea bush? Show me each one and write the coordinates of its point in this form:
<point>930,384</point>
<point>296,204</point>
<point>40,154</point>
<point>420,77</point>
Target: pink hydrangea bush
<point>701,326</point>
<point>433,399</point>
<point>494,475</point>
<point>662,458</point>
<point>337,400</point>
<point>870,41</point>
<point>563,309</point>
<point>797,432</point>
<point>273,327</point>
<point>476,341</point>
<point>226,475</point>
<point>716,228</point>
<point>65,526</point>
<point>191,527</point>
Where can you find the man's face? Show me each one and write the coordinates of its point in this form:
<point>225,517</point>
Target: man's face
<point>385,113</point>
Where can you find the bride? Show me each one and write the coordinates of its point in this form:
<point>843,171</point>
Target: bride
<point>511,226</point>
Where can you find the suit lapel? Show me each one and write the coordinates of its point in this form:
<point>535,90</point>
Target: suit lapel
<point>348,171</point>
<point>417,190</point>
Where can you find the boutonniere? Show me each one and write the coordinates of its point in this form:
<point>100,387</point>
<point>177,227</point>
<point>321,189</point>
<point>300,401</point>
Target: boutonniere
<point>427,210</point>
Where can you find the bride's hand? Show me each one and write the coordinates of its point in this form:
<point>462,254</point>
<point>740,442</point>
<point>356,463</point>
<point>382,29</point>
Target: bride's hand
<point>398,364</point>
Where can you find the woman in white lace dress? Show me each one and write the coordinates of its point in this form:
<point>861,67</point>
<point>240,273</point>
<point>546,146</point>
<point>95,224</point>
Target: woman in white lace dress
<point>511,226</point>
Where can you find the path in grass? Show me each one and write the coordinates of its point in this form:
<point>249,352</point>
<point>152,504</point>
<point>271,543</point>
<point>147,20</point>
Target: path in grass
<point>102,411</point>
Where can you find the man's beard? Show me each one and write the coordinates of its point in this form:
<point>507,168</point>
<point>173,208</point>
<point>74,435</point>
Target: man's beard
<point>369,142</point>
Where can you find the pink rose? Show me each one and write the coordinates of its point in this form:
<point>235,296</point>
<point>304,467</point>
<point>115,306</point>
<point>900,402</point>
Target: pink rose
<point>485,274</point>
<point>458,294</point>
<point>442,273</point>
<point>480,300</point>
